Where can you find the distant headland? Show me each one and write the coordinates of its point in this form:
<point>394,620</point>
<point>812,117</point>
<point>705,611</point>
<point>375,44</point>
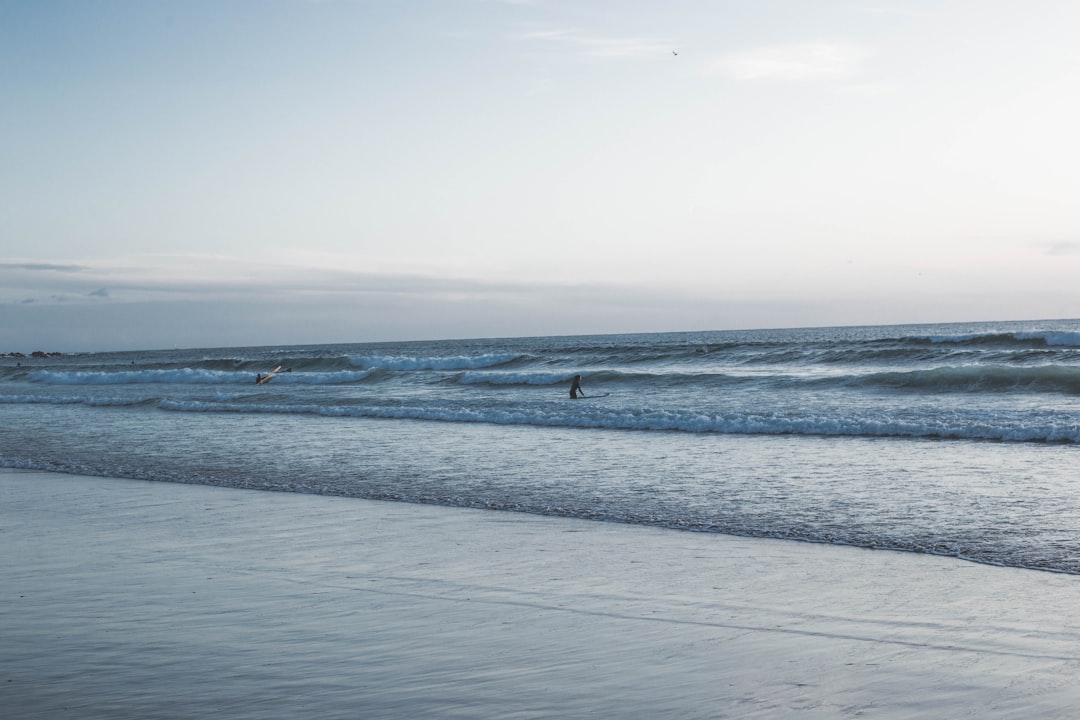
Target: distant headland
<point>35,354</point>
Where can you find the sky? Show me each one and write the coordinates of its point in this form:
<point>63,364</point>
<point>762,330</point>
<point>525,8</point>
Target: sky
<point>183,173</point>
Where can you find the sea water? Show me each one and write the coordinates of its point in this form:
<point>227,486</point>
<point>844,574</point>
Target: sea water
<point>951,439</point>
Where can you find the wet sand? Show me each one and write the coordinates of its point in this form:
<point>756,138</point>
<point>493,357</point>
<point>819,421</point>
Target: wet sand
<point>129,599</point>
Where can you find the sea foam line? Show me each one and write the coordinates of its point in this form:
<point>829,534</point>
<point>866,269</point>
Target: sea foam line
<point>667,421</point>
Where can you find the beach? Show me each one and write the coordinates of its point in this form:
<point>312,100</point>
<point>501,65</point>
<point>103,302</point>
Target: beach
<point>136,599</point>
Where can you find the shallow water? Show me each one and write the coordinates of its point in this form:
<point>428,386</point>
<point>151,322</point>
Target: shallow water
<point>128,600</point>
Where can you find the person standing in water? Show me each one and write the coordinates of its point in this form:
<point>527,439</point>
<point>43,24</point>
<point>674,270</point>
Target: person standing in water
<point>575,388</point>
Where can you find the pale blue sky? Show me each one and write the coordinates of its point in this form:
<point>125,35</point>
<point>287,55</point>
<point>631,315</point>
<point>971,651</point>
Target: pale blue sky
<point>269,172</point>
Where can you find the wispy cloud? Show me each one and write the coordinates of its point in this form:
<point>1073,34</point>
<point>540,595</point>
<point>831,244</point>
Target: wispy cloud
<point>601,45</point>
<point>216,301</point>
<point>27,283</point>
<point>46,267</point>
<point>209,278</point>
<point>804,62</point>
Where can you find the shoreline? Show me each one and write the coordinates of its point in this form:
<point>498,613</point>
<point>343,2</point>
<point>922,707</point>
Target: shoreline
<point>139,599</point>
<point>876,547</point>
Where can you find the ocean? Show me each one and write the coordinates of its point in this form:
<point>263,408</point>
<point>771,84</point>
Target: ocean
<point>959,440</point>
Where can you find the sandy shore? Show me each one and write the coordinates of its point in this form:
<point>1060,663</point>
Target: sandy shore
<point>126,599</point>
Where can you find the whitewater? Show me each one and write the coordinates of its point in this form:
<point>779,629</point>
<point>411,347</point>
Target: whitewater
<point>948,439</point>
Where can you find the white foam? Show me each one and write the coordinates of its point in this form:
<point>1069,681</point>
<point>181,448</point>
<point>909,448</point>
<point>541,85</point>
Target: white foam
<point>187,376</point>
<point>597,416</point>
<point>137,377</point>
<point>457,362</point>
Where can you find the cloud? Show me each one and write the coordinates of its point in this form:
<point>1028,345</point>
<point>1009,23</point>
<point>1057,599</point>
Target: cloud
<point>204,301</point>
<point>805,62</point>
<point>153,279</point>
<point>602,46</point>
<point>49,267</point>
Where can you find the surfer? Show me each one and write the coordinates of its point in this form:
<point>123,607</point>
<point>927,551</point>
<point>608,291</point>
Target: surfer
<point>258,378</point>
<point>575,388</point>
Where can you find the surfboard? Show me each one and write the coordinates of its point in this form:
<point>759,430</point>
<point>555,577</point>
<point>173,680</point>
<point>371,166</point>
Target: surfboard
<point>269,375</point>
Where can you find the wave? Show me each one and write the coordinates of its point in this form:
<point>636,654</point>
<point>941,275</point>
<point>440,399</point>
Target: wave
<point>75,400</point>
<point>514,378</point>
<point>978,378</point>
<point>114,400</point>
<point>659,378</point>
<point>188,376</point>
<point>1062,379</point>
<point>1042,338</point>
<point>1053,339</point>
<point>342,377</point>
<point>591,416</point>
<point>458,362</point>
<point>563,377</point>
<point>136,377</point>
<point>967,378</point>
<point>812,346</point>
